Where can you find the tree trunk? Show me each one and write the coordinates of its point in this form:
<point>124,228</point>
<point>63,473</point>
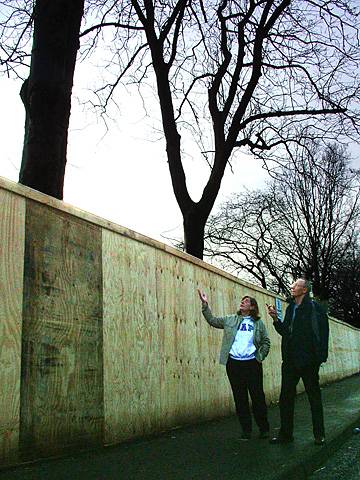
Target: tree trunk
<point>46,94</point>
<point>194,229</point>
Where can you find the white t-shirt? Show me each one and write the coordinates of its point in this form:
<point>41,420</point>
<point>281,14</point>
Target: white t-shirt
<point>243,347</point>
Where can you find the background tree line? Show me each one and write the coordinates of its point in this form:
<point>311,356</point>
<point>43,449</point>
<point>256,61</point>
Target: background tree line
<point>306,222</point>
<point>255,75</point>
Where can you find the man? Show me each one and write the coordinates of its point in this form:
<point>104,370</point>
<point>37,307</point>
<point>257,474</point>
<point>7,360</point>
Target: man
<point>244,347</point>
<point>304,346</point>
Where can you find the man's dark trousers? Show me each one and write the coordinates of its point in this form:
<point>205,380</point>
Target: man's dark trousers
<point>247,377</point>
<point>291,375</point>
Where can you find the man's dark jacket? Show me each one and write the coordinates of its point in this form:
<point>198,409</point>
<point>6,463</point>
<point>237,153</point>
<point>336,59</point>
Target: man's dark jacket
<point>305,337</point>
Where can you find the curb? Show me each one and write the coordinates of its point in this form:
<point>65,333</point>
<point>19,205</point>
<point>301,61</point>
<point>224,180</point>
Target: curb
<point>308,465</point>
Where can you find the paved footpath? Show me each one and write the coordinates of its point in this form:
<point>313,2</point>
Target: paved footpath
<point>213,450</point>
<point>343,465</point>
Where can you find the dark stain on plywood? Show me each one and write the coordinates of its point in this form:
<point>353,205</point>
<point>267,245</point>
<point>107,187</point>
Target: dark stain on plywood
<point>62,361</point>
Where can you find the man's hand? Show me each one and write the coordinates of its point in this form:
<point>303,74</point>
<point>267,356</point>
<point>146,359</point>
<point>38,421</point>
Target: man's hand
<point>202,296</point>
<point>272,311</point>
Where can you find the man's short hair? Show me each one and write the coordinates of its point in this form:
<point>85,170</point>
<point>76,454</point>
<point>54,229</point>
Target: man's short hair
<point>307,284</point>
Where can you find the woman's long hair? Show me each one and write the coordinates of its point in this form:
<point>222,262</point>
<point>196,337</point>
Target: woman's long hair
<point>254,312</point>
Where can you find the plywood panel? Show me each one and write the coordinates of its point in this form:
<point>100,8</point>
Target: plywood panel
<point>215,390</point>
<point>62,370</point>
<point>339,353</point>
<point>132,349</point>
<point>225,299</point>
<point>187,341</point>
<point>328,371</point>
<point>272,364</point>
<point>181,340</point>
<point>12,227</point>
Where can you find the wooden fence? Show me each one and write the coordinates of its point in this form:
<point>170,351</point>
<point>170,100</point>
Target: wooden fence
<point>101,333</point>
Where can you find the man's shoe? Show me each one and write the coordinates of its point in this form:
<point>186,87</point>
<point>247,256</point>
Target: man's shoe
<point>281,440</point>
<point>245,437</point>
<point>263,435</point>
<point>319,440</point>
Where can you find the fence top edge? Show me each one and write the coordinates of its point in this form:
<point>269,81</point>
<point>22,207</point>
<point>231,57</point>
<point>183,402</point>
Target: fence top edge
<point>39,197</point>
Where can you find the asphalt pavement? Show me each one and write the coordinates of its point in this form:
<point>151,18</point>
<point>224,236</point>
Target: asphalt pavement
<point>344,464</point>
<point>214,451</point>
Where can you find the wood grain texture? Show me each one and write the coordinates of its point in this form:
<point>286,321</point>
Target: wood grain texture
<point>216,394</point>
<point>180,341</point>
<point>12,227</point>
<point>62,369</point>
<point>272,364</point>
<point>131,339</point>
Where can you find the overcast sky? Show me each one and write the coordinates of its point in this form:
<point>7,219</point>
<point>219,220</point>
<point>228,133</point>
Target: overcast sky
<point>120,174</point>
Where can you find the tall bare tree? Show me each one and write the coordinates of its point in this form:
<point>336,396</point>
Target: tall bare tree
<point>344,301</point>
<point>305,223</point>
<point>242,73</point>
<point>46,93</point>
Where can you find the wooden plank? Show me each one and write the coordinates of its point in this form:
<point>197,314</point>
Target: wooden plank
<point>329,369</point>
<point>169,375</point>
<point>131,339</point>
<point>62,369</point>
<point>180,341</point>
<point>12,227</point>
<point>272,364</point>
<point>216,394</point>
<point>189,341</point>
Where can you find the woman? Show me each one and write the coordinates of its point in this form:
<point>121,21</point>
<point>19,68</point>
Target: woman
<point>245,345</point>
